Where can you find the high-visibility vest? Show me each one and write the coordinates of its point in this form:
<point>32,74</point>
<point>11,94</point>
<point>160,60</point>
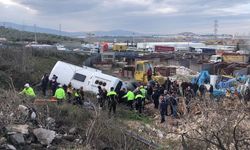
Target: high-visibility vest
<point>60,94</point>
<point>143,92</point>
<point>76,94</point>
<point>111,93</point>
<point>28,92</point>
<point>130,95</point>
<point>139,96</point>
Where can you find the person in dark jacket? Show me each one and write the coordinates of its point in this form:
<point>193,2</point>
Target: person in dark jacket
<point>173,101</point>
<point>167,101</point>
<point>100,96</point>
<point>121,93</point>
<point>211,90</point>
<point>167,84</point>
<point>202,90</point>
<point>45,82</point>
<point>162,108</point>
<point>53,86</point>
<point>139,101</point>
<point>155,97</point>
<point>81,93</point>
<point>149,92</point>
<point>112,100</point>
<point>195,88</point>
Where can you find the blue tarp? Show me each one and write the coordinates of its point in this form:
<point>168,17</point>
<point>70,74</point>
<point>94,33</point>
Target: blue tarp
<point>219,93</point>
<point>204,77</point>
<point>228,84</point>
<point>242,78</point>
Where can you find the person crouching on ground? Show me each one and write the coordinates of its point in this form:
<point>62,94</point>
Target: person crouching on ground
<point>28,91</point>
<point>77,97</point>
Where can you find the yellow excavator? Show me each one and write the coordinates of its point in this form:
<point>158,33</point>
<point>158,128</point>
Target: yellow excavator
<point>141,69</point>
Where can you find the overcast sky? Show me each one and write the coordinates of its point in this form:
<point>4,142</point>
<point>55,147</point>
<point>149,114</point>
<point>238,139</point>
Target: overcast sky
<point>146,16</point>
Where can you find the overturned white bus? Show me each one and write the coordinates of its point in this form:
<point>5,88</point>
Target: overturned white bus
<point>86,77</point>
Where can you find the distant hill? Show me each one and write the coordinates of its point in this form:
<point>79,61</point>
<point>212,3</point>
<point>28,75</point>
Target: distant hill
<point>16,36</point>
<point>70,34</point>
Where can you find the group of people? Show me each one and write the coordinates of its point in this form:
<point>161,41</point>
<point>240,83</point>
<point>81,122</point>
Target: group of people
<point>164,97</point>
<point>58,91</point>
<point>134,99</point>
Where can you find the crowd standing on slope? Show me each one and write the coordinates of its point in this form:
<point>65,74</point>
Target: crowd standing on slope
<point>164,97</point>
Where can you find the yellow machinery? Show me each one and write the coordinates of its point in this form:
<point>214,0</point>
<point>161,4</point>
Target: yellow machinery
<point>119,47</point>
<point>141,69</point>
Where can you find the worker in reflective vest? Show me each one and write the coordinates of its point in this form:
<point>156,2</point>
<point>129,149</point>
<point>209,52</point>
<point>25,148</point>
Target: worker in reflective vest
<point>77,97</point>
<point>28,91</point>
<point>139,100</point>
<point>144,94</point>
<point>112,100</point>
<point>60,94</point>
<point>131,97</point>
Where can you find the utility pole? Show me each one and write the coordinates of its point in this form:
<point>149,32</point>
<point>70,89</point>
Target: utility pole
<point>60,30</point>
<point>216,25</point>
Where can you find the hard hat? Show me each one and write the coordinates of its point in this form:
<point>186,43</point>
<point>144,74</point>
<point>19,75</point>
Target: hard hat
<point>27,85</point>
<point>141,86</point>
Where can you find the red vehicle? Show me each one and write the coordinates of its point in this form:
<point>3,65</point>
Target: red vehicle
<point>164,48</point>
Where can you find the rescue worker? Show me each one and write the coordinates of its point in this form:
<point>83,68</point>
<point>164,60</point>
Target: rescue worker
<point>77,97</point>
<point>162,108</point>
<point>112,100</point>
<point>130,97</point>
<point>139,101</point>
<point>143,92</point>
<point>28,91</point>
<point>60,94</point>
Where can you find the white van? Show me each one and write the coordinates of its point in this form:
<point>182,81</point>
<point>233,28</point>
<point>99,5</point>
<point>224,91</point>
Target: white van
<point>86,77</point>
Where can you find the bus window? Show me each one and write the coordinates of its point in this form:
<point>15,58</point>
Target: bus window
<point>79,77</point>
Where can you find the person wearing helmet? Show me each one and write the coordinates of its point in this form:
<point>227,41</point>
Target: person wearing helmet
<point>28,91</point>
<point>60,94</point>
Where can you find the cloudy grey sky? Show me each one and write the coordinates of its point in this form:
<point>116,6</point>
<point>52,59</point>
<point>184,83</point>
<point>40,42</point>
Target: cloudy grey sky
<point>147,16</point>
